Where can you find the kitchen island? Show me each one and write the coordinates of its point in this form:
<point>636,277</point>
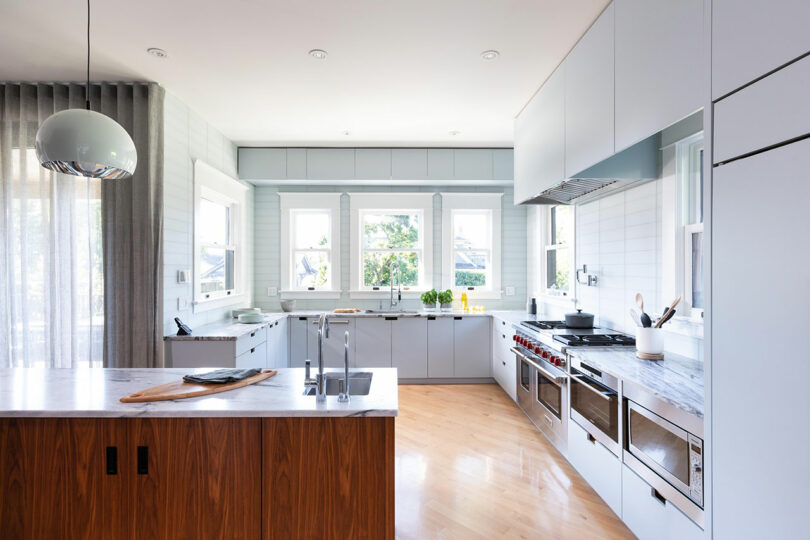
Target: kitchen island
<point>263,461</point>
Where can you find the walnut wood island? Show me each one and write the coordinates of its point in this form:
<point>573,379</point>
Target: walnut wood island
<point>264,461</point>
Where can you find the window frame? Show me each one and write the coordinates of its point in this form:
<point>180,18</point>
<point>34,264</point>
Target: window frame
<point>292,202</point>
<point>218,187</point>
<point>454,203</point>
<point>371,203</point>
<point>689,217</point>
<point>569,295</point>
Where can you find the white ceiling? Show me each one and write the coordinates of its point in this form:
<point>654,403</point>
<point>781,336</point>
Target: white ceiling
<point>399,72</point>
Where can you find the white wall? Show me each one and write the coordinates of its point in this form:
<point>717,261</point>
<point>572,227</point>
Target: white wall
<point>267,247</point>
<point>187,137</point>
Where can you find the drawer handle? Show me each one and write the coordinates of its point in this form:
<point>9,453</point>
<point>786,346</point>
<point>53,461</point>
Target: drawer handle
<point>502,362</point>
<point>112,460</point>
<point>430,318</point>
<point>503,336</point>
<point>590,438</point>
<point>655,494</point>
<point>458,318</point>
<point>253,334</point>
<point>143,460</point>
<point>253,350</point>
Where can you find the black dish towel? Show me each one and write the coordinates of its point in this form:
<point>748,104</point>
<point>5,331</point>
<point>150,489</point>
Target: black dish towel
<point>221,376</point>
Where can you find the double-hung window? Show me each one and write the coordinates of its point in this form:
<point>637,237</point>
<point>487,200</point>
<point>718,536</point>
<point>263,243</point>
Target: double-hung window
<point>559,251</point>
<point>310,244</point>
<point>218,228</point>
<point>689,156</point>
<point>391,236</point>
<point>471,243</point>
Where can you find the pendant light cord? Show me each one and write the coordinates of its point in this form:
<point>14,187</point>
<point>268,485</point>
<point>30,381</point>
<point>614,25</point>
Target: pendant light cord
<point>87,87</point>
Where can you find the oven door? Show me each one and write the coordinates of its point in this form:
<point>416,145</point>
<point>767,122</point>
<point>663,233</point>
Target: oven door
<point>595,407</point>
<point>525,382</point>
<point>673,453</point>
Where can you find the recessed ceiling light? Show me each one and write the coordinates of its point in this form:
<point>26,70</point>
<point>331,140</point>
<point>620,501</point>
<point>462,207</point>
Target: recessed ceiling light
<point>454,132</point>
<point>159,53</point>
<point>347,132</point>
<point>318,54</point>
<point>490,55</point>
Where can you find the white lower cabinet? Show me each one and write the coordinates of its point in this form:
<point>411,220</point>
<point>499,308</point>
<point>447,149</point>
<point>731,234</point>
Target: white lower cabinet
<point>503,359</point>
<point>651,518</point>
<point>334,349</point>
<point>597,465</point>
<point>471,348</point>
<point>277,344</point>
<point>440,347</point>
<point>409,353</point>
<point>372,342</point>
<point>255,357</point>
<point>298,336</point>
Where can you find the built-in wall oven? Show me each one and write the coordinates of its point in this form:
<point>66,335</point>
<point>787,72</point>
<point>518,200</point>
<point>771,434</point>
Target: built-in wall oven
<point>542,392</point>
<point>595,404</point>
<point>664,445</point>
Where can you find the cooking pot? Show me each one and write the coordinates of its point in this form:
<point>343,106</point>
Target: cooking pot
<point>579,320</point>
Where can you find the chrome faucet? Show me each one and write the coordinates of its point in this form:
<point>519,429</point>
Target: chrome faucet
<point>344,394</point>
<point>320,380</point>
<point>399,281</point>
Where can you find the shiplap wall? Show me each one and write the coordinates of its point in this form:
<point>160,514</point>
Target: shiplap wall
<point>187,137</point>
<point>267,269</point>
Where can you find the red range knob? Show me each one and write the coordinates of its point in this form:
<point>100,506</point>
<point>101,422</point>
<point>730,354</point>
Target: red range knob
<point>545,354</point>
<point>536,349</point>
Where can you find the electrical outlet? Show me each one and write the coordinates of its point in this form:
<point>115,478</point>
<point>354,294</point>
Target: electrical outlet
<point>272,291</point>
<point>183,276</point>
<point>510,291</point>
<point>182,303</point>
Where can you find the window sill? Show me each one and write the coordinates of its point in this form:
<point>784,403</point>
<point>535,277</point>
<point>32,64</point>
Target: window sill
<point>685,326</point>
<point>478,295</point>
<point>302,295</point>
<point>217,303</point>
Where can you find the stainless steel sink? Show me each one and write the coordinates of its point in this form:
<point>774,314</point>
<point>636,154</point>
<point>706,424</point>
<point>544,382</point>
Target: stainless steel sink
<point>392,311</point>
<point>359,383</point>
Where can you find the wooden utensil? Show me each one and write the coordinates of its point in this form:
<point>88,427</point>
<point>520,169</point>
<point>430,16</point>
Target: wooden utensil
<point>346,310</point>
<point>671,308</point>
<point>181,390</point>
<point>640,301</point>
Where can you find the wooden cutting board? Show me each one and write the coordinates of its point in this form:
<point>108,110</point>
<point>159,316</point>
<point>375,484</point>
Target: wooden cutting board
<point>180,389</point>
<point>346,310</point>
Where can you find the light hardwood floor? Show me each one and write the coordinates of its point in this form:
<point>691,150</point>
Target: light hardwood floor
<point>469,464</point>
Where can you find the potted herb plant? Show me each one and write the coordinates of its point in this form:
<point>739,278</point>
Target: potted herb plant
<point>446,300</point>
<point>429,300</point>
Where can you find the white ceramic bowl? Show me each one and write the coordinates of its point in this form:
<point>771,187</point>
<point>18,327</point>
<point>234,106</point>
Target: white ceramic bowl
<point>287,305</point>
<point>650,340</point>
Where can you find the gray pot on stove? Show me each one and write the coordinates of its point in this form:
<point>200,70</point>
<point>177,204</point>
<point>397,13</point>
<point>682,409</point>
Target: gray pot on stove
<point>579,320</point>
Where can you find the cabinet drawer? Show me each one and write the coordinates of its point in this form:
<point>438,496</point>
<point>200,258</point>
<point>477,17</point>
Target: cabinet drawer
<point>253,358</point>
<point>597,465</point>
<point>502,338</point>
<point>768,112</point>
<point>251,340</point>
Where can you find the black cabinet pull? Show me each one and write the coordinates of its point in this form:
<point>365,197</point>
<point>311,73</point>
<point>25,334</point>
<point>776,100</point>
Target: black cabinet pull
<point>143,460</point>
<point>112,460</point>
<point>390,318</point>
<point>431,318</point>
<point>458,318</point>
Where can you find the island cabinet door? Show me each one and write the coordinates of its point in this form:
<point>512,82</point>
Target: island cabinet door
<point>328,478</point>
<point>194,478</point>
<point>57,481</point>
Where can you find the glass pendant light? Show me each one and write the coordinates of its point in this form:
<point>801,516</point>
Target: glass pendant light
<point>82,142</point>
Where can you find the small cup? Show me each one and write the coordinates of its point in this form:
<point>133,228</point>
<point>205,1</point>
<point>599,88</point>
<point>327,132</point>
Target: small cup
<point>649,340</point>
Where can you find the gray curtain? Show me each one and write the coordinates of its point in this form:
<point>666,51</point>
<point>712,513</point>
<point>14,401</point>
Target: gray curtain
<point>80,258</point>
<point>132,224</point>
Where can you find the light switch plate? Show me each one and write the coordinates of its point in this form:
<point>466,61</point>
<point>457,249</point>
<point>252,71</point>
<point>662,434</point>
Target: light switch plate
<point>182,303</point>
<point>510,291</point>
<point>272,291</point>
<point>183,276</point>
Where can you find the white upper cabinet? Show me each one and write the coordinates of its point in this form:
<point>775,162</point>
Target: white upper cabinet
<point>409,163</point>
<point>752,38</point>
<point>503,164</point>
<point>265,163</point>
<point>372,163</point>
<point>472,164</point>
<point>540,139</point>
<point>330,163</point>
<point>440,163</point>
<point>589,97</point>
<point>660,75</point>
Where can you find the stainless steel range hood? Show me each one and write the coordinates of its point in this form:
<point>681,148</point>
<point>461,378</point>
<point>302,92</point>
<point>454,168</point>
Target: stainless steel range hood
<point>635,165</point>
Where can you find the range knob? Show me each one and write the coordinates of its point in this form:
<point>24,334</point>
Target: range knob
<point>537,349</point>
<point>545,354</point>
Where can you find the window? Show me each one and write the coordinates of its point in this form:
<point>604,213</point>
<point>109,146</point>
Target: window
<point>391,231</point>
<point>471,225</point>
<point>558,260</point>
<point>310,244</point>
<point>218,228</point>
<point>689,163</point>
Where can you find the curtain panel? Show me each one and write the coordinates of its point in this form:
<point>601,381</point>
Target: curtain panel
<point>80,258</point>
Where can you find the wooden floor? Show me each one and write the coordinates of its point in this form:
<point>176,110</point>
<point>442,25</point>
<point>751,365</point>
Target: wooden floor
<point>469,464</point>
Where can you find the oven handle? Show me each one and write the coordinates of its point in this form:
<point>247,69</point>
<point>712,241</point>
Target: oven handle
<point>604,395</point>
<point>538,367</point>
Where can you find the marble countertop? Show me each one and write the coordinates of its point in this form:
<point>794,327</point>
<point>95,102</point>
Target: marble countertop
<point>676,379</point>
<point>95,392</point>
<point>230,329</point>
